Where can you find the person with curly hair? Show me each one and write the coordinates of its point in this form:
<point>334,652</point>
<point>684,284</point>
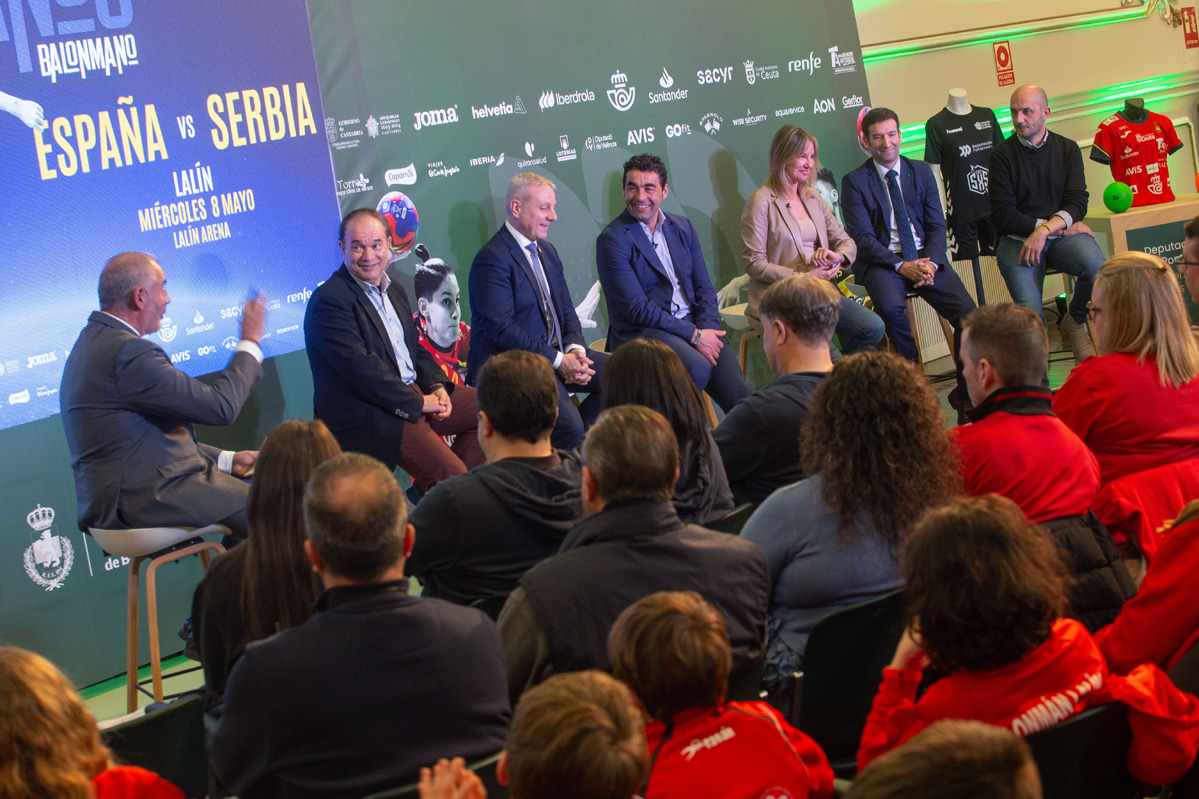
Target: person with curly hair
<point>49,744</point>
<point>646,372</point>
<point>1136,405</point>
<point>986,592</point>
<point>878,457</point>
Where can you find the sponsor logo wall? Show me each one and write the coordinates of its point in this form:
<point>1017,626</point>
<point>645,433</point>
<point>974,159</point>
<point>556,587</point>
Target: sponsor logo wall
<point>596,91</point>
<point>175,129</point>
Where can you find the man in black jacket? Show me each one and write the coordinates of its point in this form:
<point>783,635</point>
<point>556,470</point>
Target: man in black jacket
<point>631,545</point>
<point>1038,199</point>
<point>477,533</point>
<point>377,683</point>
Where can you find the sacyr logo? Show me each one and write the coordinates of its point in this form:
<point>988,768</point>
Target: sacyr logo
<point>621,95</point>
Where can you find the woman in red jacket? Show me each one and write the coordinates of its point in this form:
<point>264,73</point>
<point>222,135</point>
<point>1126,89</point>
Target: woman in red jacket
<point>985,594</point>
<point>1136,405</point>
<point>672,650</point>
<point>49,744</point>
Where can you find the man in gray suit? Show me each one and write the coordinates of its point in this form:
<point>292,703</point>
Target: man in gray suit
<point>128,413</point>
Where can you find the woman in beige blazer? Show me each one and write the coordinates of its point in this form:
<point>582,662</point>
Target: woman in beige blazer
<point>787,228</point>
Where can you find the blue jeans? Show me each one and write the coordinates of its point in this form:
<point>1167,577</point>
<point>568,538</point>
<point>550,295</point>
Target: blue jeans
<point>1076,255</point>
<point>858,327</point>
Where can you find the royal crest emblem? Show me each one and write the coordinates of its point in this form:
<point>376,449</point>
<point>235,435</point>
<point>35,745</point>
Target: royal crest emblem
<point>49,558</point>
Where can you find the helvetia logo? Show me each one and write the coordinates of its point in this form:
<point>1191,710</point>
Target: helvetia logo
<point>440,116</point>
<point>621,95</point>
<point>49,558</point>
<point>665,81</point>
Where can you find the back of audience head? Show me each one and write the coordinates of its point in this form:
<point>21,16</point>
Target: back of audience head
<point>1138,309</point>
<point>278,576</point>
<point>672,649</point>
<point>809,307</point>
<point>49,745</point>
<point>356,519</point>
<point>517,395</point>
<point>579,735</point>
<point>984,587</point>
<point>646,372</point>
<point>953,759</point>
<point>630,454</point>
<point>1011,341</point>
<point>875,436</point>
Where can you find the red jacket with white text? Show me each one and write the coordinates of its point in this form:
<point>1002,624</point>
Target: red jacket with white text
<point>742,750</point>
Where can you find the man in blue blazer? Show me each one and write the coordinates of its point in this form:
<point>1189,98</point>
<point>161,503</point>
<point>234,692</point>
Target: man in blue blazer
<point>376,388</point>
<point>897,257</point>
<point>519,300</point>
<point>657,286</point>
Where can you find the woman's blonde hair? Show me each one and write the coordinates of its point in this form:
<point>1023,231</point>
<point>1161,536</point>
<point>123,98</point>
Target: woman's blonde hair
<point>788,143</point>
<point>1145,315</point>
<point>49,744</point>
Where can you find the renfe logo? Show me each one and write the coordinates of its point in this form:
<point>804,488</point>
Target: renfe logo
<point>46,27</point>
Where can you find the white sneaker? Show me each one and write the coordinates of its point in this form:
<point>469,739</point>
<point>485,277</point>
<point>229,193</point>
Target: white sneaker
<point>1080,337</point>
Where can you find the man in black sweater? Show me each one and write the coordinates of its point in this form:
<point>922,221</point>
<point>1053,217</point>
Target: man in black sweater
<point>478,533</point>
<point>759,439</point>
<point>1038,200</point>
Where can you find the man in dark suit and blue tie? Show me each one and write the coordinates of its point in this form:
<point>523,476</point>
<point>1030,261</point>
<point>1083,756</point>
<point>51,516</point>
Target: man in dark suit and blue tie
<point>893,212</point>
<point>657,286</point>
<point>519,300</point>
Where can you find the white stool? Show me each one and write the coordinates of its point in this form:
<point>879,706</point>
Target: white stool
<point>159,545</point>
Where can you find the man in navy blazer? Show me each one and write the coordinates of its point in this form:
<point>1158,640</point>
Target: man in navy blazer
<point>657,286</point>
<point>895,259</point>
<point>376,388</point>
<point>519,300</point>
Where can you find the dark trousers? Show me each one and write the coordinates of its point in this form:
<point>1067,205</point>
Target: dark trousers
<point>948,297</point>
<point>724,382</point>
<point>573,421</point>
<point>423,452</point>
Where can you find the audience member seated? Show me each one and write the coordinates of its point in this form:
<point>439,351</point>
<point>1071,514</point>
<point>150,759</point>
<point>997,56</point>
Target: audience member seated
<point>1137,404</point>
<point>1161,623</point>
<point>1016,447</point>
<point>759,439</point>
<point>129,414</point>
<point>49,744</point>
<point>377,683</point>
<point>477,533</point>
<point>672,649</point>
<point>953,760</point>
<point>578,735</point>
<point>874,445</point>
<point>985,591</point>
<point>450,779</point>
<point>631,544</point>
<point>266,584</point>
<point>647,372</point>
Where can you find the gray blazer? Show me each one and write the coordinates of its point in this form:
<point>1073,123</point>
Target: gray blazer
<point>770,234</point>
<point>128,415</point>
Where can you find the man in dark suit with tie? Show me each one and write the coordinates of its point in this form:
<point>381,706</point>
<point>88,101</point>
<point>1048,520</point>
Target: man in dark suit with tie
<point>519,300</point>
<point>657,286</point>
<point>893,212</point>
<point>376,388</point>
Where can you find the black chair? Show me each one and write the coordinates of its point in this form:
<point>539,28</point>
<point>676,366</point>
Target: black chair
<point>734,520</point>
<point>1086,756</point>
<point>168,741</point>
<point>485,768</point>
<point>491,605</point>
<point>746,683</point>
<point>843,668</point>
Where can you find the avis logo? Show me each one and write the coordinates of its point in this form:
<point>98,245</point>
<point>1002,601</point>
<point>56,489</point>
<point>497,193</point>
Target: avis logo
<point>621,95</point>
<point>641,136</point>
<point>441,116</point>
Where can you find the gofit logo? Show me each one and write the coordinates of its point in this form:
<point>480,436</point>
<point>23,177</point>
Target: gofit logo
<point>441,116</point>
<point>621,95</point>
<point>677,130</point>
<point>405,176</point>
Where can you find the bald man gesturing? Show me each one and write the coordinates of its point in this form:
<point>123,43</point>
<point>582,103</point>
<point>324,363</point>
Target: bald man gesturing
<point>1038,200</point>
<point>129,414</point>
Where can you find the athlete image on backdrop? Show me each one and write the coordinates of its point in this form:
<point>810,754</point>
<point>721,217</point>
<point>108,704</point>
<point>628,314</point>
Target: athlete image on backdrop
<point>1134,143</point>
<point>959,139</point>
<point>439,326</point>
